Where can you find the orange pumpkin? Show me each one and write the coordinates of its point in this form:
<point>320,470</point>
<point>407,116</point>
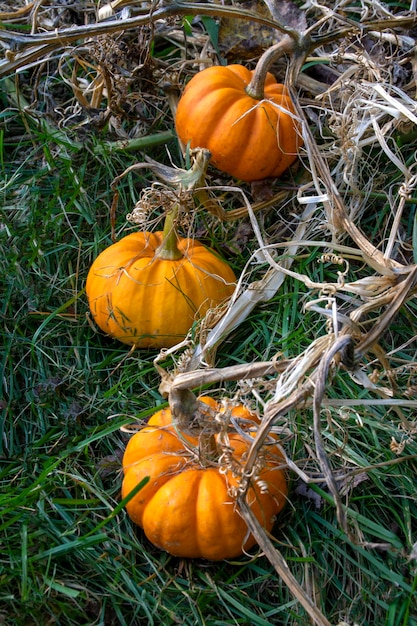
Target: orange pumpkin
<point>141,298</point>
<point>186,507</point>
<point>248,138</point>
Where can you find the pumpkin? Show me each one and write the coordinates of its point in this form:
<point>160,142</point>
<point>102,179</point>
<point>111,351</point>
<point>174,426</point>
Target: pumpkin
<point>146,294</point>
<point>186,507</point>
<point>248,138</point>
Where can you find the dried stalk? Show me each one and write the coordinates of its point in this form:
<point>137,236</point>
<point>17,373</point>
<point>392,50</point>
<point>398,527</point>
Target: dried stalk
<point>276,559</point>
<point>257,292</point>
<point>344,344</point>
<point>395,299</point>
<point>337,215</point>
<point>214,375</point>
<point>25,49</point>
<point>271,552</point>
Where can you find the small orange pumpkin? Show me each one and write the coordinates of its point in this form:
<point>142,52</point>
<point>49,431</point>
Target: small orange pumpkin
<point>186,507</point>
<point>144,297</point>
<point>248,138</point>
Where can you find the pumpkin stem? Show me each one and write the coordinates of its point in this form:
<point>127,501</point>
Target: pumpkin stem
<point>208,450</point>
<point>287,45</point>
<point>194,418</point>
<point>168,249</point>
<point>184,180</point>
<point>184,409</point>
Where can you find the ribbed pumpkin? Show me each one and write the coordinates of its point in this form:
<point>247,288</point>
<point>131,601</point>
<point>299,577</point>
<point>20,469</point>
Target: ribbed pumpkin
<point>140,297</point>
<point>185,508</point>
<point>248,138</point>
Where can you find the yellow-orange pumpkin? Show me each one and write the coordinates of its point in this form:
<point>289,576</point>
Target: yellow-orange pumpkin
<point>248,138</point>
<point>185,508</point>
<point>143,299</point>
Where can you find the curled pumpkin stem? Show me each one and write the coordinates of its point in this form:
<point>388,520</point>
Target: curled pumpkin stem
<point>295,45</point>
<point>255,89</point>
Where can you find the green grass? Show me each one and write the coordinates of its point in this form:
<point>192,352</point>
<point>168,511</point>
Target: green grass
<point>69,555</point>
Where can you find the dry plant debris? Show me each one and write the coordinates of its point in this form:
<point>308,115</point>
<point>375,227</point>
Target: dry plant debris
<point>351,72</point>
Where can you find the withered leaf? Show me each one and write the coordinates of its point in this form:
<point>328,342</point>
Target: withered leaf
<point>241,40</point>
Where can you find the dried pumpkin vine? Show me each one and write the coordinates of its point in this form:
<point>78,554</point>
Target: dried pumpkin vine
<point>303,378</point>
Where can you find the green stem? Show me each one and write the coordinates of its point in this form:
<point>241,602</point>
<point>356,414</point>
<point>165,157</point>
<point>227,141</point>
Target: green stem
<point>168,249</point>
<point>139,143</point>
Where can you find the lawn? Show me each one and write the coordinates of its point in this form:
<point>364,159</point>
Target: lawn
<point>319,339</point>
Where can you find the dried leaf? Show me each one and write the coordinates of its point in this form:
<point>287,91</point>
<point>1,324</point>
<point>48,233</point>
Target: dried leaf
<point>346,485</point>
<point>242,39</point>
<point>303,490</point>
<point>110,464</point>
<point>287,13</point>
